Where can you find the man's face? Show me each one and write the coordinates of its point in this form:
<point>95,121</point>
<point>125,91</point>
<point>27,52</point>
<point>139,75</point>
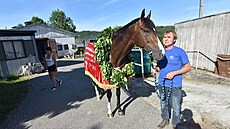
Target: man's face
<point>168,39</point>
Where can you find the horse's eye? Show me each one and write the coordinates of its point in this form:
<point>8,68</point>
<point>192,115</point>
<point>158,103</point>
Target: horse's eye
<point>147,32</point>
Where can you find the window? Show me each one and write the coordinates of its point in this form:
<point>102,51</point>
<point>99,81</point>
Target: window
<point>66,47</point>
<point>13,49</point>
<point>59,47</point>
<point>19,50</point>
<point>29,48</point>
<point>9,50</point>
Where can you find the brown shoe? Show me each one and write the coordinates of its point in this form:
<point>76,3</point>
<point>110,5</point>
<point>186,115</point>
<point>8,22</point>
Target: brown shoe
<point>163,124</point>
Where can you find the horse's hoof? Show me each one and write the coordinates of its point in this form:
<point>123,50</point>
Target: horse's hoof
<point>110,115</point>
<point>121,113</point>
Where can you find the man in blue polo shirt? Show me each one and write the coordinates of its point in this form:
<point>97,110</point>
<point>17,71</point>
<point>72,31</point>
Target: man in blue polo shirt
<point>171,67</point>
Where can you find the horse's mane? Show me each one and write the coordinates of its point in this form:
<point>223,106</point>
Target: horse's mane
<point>148,23</point>
<point>120,31</point>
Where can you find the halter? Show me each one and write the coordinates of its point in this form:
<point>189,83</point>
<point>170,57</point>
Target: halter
<point>135,32</point>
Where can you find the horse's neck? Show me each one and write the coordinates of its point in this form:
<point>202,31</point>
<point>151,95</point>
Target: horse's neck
<point>120,48</point>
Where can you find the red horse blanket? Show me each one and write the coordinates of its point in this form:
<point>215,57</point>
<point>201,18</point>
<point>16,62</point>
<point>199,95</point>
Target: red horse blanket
<point>92,68</point>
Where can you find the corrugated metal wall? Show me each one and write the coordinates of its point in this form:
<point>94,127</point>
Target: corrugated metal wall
<point>210,35</point>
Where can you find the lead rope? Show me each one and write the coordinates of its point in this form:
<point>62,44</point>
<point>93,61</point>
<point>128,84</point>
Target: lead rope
<point>163,91</point>
<point>163,98</point>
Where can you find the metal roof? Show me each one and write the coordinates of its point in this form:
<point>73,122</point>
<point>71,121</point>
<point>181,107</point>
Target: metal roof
<point>47,26</point>
<point>13,32</point>
<point>202,17</point>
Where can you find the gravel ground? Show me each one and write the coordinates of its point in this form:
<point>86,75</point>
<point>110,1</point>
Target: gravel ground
<point>206,100</point>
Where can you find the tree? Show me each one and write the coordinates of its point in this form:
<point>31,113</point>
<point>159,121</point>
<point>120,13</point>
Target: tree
<point>20,25</point>
<point>36,19</point>
<point>162,29</point>
<point>58,19</point>
<point>116,28</point>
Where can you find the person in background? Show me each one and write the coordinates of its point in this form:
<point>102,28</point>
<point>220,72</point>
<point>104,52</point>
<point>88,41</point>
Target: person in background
<point>52,68</point>
<point>171,67</point>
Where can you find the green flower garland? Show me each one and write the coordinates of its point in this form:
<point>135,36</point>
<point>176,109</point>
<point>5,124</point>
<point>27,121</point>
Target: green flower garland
<point>102,47</point>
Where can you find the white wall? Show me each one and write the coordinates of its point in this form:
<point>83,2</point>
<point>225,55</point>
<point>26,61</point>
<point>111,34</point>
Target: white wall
<point>209,35</point>
<point>14,66</point>
<point>65,41</point>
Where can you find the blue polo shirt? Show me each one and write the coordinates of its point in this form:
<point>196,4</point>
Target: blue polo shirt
<point>173,60</point>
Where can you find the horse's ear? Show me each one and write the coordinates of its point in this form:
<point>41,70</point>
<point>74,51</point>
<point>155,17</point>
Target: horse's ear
<point>149,15</point>
<point>143,14</point>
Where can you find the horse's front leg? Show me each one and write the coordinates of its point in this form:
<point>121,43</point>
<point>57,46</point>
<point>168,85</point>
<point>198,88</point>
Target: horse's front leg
<point>109,96</point>
<point>118,93</point>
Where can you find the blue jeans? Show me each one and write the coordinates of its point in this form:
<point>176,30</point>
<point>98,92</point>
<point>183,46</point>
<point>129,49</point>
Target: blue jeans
<point>174,103</point>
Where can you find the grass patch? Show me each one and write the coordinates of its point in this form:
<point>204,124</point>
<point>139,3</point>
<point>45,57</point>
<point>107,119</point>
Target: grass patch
<point>12,91</point>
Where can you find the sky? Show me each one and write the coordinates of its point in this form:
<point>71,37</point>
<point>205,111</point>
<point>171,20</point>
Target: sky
<point>96,15</point>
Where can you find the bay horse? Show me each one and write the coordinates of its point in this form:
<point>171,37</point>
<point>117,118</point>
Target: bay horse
<point>141,32</point>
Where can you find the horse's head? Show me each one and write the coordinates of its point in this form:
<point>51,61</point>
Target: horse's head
<point>146,37</point>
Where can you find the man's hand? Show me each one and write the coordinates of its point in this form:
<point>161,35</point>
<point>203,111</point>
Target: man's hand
<point>186,68</point>
<point>170,75</point>
<point>153,71</point>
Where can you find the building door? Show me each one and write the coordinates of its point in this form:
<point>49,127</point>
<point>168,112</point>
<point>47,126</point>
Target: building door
<point>41,44</point>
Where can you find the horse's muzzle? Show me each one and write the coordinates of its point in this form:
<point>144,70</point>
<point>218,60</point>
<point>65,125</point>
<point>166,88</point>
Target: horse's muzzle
<point>157,55</point>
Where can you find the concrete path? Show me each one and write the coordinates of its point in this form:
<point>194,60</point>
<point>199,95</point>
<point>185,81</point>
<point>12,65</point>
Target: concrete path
<point>74,105</point>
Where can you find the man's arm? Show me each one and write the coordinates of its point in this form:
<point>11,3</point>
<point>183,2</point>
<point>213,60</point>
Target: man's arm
<point>187,67</point>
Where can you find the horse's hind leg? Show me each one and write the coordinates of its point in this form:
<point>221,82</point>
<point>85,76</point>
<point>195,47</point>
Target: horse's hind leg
<point>96,90</point>
<point>109,96</point>
<point>99,94</point>
<point>120,111</point>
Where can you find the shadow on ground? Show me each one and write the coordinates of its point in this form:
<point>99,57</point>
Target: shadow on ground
<point>62,63</point>
<point>41,101</point>
<point>139,89</point>
<point>187,121</point>
<point>135,90</point>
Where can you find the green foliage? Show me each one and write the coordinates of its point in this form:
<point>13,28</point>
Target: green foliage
<point>11,91</point>
<point>118,78</point>
<point>13,78</point>
<point>162,29</point>
<point>58,19</point>
<point>36,19</point>
<point>107,33</point>
<point>129,69</point>
<point>102,47</point>
<point>86,35</point>
<point>20,25</point>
